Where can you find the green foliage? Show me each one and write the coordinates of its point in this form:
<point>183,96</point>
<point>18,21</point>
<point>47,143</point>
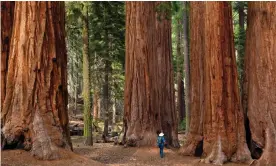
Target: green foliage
<point>106,42</point>
<point>182,125</point>
<point>239,38</point>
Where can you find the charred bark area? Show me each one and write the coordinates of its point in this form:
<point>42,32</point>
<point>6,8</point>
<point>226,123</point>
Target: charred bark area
<point>180,98</point>
<point>261,72</point>
<point>35,107</point>
<point>222,121</point>
<point>7,13</point>
<point>149,98</point>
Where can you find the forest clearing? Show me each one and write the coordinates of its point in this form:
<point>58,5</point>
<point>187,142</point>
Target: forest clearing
<point>138,83</point>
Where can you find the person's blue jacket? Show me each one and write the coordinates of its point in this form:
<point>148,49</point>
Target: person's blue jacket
<point>161,141</point>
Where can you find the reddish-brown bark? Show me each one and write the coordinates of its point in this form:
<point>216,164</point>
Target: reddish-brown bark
<point>35,106</point>
<point>7,12</point>
<point>261,73</point>
<point>218,117</point>
<point>149,98</point>
<point>164,81</point>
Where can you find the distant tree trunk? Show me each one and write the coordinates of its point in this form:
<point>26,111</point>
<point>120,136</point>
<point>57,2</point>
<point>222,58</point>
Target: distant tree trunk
<point>96,104</point>
<point>149,98</point>
<point>106,96</point>
<point>241,46</point>
<point>261,71</point>
<point>86,80</point>
<point>241,14</point>
<point>34,113</point>
<point>114,112</point>
<point>186,65</point>
<point>215,103</point>
<point>7,13</point>
<point>180,83</point>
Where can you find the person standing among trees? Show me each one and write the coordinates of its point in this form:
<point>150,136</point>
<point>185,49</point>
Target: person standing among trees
<point>161,143</point>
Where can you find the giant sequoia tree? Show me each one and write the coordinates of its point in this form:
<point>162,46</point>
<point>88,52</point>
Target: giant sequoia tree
<point>216,112</point>
<point>34,112</point>
<point>7,11</point>
<point>260,71</point>
<point>149,98</point>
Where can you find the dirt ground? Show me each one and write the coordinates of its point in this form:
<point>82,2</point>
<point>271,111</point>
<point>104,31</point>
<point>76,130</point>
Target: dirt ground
<point>104,154</point>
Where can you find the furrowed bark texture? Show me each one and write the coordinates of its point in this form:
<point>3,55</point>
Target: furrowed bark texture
<point>261,73</point>
<point>164,81</point>
<point>216,95</point>
<point>35,106</point>
<point>149,99</point>
<point>7,13</point>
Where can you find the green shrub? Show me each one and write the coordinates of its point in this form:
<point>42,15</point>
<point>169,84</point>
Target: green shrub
<point>182,125</point>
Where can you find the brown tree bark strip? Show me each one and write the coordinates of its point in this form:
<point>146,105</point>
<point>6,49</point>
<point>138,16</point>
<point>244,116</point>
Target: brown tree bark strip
<point>223,123</point>
<point>36,102</point>
<point>196,74</point>
<point>7,13</point>
<point>149,98</point>
<point>261,72</point>
<point>164,81</point>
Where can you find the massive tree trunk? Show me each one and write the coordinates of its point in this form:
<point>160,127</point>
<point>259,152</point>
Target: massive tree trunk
<point>215,83</point>
<point>261,71</point>
<point>86,80</point>
<point>164,82</point>
<point>149,98</point>
<point>186,65</point>
<point>34,113</point>
<point>7,13</point>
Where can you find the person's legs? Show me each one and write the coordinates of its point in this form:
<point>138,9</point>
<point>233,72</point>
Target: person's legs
<point>161,152</point>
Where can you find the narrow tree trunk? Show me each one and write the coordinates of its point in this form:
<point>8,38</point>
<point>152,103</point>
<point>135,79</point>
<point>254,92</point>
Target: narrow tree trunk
<point>186,65</point>
<point>34,112</point>
<point>241,14</point>
<point>86,80</point>
<point>261,71</point>
<point>76,99</point>
<point>241,44</point>
<point>180,83</point>
<point>7,13</point>
<point>114,112</point>
<point>106,96</point>
<point>219,109</point>
<point>149,98</point>
<point>96,104</point>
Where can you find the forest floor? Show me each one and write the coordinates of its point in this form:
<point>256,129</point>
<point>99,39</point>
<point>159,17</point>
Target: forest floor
<point>104,154</point>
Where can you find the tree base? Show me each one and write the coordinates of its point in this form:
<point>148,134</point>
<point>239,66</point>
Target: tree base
<point>147,139</point>
<point>192,145</point>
